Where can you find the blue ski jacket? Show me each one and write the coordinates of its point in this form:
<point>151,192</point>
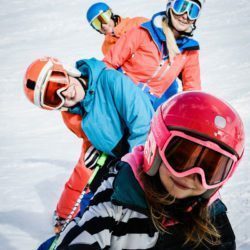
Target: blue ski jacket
<point>116,114</point>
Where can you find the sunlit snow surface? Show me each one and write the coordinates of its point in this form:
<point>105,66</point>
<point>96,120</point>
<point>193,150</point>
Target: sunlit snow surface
<point>38,153</point>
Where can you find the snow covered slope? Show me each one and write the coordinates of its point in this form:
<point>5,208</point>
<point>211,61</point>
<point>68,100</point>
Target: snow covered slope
<point>38,153</point>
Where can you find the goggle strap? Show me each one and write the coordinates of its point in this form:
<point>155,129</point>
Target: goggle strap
<point>40,82</point>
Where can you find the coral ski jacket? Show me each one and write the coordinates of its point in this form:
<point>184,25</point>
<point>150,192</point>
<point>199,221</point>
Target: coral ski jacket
<point>114,116</point>
<point>124,25</point>
<point>141,54</point>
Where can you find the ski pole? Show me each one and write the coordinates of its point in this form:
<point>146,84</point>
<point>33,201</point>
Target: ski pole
<point>100,163</point>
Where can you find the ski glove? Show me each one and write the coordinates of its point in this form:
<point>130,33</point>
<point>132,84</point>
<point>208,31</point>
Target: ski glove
<point>91,157</point>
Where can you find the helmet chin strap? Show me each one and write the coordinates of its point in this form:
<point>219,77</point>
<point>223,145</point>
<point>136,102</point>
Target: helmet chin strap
<point>182,33</point>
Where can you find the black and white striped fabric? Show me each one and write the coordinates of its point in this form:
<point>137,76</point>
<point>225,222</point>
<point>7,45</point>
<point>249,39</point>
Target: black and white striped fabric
<point>91,157</point>
<point>105,225</point>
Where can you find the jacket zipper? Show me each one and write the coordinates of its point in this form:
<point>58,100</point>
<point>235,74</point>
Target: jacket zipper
<point>164,72</point>
<point>156,72</point>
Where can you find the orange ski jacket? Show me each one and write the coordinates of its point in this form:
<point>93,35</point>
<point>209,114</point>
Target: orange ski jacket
<point>80,175</point>
<point>124,25</point>
<point>141,54</point>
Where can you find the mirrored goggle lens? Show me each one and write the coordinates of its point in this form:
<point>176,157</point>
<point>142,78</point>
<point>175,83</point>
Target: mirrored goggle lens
<point>103,18</point>
<point>56,84</point>
<point>96,24</point>
<point>194,12</point>
<point>182,6</point>
<point>183,154</point>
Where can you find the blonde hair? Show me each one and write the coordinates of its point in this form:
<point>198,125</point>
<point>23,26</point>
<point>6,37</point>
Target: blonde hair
<point>172,47</point>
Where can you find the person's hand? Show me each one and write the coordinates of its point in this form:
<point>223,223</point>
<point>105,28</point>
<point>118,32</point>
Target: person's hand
<point>58,223</point>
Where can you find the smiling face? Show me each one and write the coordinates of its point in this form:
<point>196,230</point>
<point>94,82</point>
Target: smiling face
<point>181,187</point>
<point>74,93</point>
<point>180,22</point>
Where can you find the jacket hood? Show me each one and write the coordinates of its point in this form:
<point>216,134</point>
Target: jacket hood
<point>92,69</point>
<point>135,160</point>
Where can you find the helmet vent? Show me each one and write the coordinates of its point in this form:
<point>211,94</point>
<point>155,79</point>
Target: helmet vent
<point>31,84</point>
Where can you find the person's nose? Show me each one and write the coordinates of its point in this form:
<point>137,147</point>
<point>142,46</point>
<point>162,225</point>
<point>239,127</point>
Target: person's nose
<point>193,176</point>
<point>105,26</point>
<point>185,16</point>
<point>66,93</point>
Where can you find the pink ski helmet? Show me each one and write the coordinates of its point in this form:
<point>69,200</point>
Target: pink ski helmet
<point>199,121</point>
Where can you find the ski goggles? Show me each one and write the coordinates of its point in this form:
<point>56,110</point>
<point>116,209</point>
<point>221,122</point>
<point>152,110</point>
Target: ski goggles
<point>103,18</point>
<point>179,7</point>
<point>56,82</point>
<point>184,155</point>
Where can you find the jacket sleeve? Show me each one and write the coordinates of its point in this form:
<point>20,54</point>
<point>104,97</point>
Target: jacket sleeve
<point>80,174</point>
<point>73,187</point>
<point>191,72</point>
<point>124,48</point>
<point>133,106</point>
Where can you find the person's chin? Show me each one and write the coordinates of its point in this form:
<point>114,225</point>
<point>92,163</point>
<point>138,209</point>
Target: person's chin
<point>182,28</point>
<point>179,194</point>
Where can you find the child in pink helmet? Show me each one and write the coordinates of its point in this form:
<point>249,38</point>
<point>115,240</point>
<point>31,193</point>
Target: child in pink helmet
<point>159,196</point>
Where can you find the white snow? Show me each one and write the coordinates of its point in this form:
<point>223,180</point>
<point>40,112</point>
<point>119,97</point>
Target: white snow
<point>38,153</point>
